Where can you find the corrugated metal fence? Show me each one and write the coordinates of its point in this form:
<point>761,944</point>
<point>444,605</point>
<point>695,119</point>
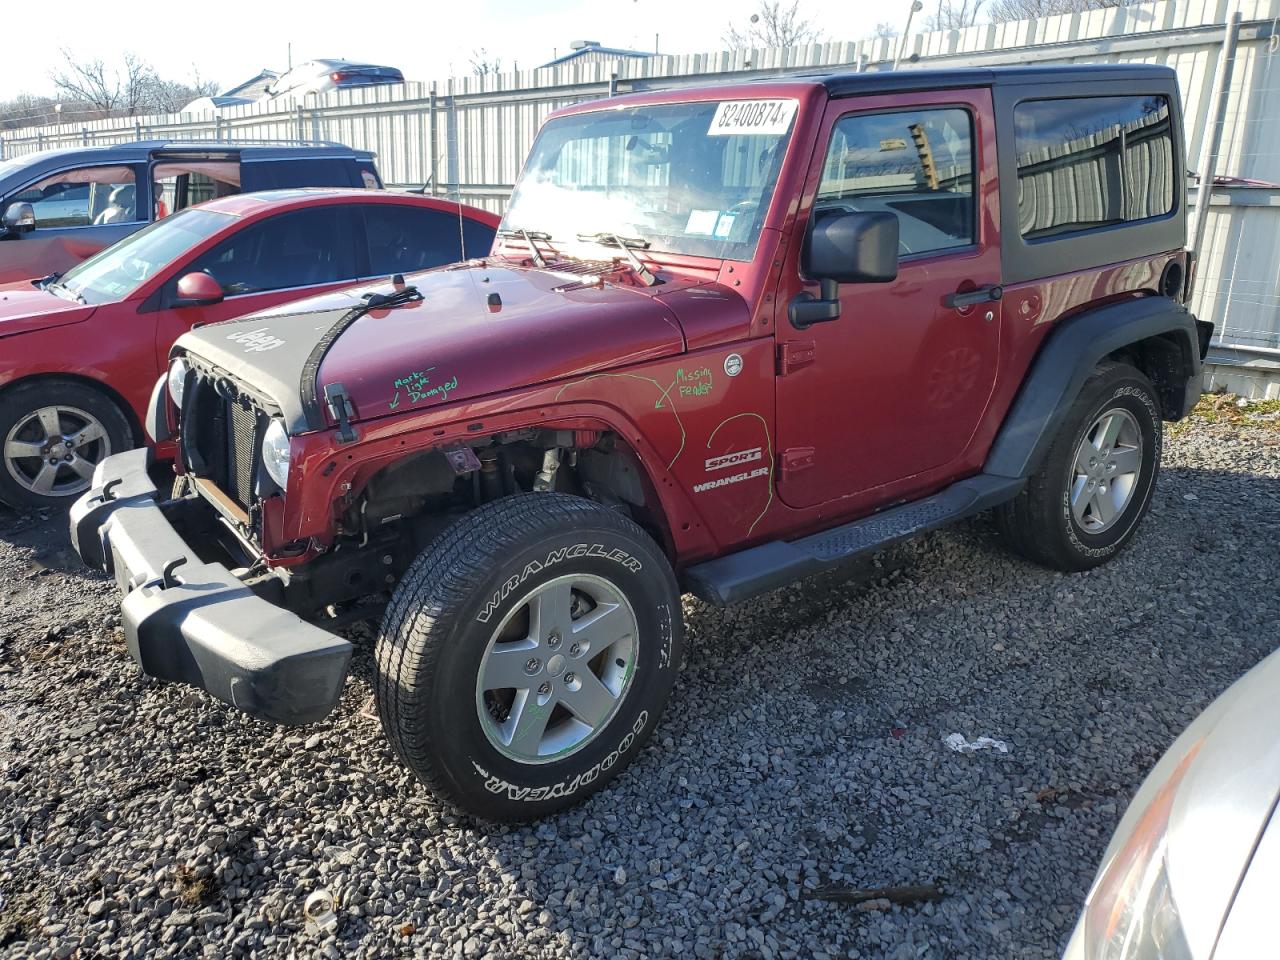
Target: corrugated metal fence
<point>467,136</point>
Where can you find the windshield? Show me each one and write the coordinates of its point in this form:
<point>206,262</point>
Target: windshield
<point>120,269</point>
<point>692,178</point>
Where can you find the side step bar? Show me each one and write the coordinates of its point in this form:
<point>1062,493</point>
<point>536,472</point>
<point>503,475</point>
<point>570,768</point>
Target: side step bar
<point>756,570</point>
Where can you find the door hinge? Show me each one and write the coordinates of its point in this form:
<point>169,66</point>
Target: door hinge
<point>794,355</point>
<point>339,401</point>
<point>795,460</point>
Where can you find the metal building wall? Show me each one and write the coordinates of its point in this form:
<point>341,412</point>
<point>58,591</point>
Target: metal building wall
<point>467,136</point>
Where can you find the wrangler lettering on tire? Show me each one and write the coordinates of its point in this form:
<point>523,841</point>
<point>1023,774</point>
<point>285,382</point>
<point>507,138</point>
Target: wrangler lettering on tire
<point>555,556</point>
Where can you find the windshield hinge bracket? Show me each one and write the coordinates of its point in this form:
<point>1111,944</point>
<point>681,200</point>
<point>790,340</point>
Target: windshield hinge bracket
<point>339,403</point>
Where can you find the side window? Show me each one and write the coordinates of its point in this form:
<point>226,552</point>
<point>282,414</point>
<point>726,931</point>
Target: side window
<point>179,184</point>
<point>299,172</point>
<point>479,237</point>
<point>296,249</point>
<point>917,164</point>
<point>403,239</point>
<point>78,198</point>
<point>1091,161</point>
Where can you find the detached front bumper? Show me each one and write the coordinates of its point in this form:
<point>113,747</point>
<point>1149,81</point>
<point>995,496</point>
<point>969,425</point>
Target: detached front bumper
<point>193,622</point>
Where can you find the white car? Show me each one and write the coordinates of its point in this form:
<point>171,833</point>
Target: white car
<point>321,76</point>
<point>1193,869</point>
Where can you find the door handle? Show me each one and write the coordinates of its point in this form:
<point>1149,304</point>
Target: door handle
<point>971,298</point>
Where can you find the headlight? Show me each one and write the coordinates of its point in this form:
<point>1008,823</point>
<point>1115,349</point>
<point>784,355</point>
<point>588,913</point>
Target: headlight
<point>275,452</point>
<point>1131,914</point>
<point>157,423</point>
<point>178,371</point>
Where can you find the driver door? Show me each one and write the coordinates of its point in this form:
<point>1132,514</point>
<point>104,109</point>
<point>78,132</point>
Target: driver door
<point>71,207</point>
<point>883,401</point>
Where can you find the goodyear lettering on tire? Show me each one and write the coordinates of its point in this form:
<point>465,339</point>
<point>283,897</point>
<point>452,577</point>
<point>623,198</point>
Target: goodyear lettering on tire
<point>564,788</point>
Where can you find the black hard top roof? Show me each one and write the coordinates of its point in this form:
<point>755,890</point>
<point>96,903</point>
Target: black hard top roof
<point>892,81</point>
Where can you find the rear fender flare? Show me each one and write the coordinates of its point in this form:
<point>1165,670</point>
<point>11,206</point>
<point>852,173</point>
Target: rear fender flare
<point>1069,357</point>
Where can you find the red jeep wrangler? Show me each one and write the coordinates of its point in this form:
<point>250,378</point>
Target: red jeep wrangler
<point>727,337</point>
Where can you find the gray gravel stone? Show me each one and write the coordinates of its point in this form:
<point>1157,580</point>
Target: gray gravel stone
<point>802,752</point>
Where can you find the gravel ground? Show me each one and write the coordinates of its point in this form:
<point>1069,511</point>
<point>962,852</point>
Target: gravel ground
<point>802,756</point>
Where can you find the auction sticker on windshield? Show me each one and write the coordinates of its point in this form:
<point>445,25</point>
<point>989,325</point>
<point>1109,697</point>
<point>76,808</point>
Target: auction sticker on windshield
<point>752,116</point>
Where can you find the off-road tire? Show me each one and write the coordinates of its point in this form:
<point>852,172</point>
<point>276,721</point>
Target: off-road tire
<point>1039,523</point>
<point>444,614</point>
<point>24,400</point>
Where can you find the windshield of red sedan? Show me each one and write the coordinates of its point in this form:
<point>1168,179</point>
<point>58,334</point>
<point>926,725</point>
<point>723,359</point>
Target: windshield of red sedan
<point>691,178</point>
<point>116,272</point>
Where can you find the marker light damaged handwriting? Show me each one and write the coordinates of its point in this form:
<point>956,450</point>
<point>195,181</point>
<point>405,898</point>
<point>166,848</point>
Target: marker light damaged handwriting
<point>418,386</point>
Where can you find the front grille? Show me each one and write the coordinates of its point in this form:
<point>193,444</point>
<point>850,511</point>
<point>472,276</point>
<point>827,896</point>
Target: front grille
<point>222,435</point>
<point>243,443</point>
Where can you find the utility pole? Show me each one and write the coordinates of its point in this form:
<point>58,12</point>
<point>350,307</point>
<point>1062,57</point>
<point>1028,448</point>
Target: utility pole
<point>1211,141</point>
<point>916,7</point>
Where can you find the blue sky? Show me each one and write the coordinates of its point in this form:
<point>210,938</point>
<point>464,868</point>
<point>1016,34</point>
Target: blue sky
<point>232,39</point>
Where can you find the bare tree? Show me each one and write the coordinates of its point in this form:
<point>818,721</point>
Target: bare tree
<point>885,30</point>
<point>110,90</point>
<point>92,89</point>
<point>1002,10</point>
<point>170,96</point>
<point>482,64</point>
<point>776,23</point>
<point>28,110</point>
<point>954,14</point>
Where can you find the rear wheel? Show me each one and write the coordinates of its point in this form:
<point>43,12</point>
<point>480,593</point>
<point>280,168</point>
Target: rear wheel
<point>1086,501</point>
<point>54,434</point>
<point>527,654</point>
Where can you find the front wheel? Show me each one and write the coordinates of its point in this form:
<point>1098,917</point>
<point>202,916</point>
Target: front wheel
<point>527,655</point>
<point>1085,503</point>
<point>54,433</point>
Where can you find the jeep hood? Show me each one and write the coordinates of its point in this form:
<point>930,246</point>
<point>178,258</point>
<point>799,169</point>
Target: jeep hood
<point>479,329</point>
<point>23,309</point>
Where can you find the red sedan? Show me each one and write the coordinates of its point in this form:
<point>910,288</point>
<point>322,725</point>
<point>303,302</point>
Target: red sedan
<point>79,353</point>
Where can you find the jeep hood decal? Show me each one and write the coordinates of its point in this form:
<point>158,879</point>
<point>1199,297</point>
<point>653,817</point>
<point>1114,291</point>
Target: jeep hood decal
<point>479,329</point>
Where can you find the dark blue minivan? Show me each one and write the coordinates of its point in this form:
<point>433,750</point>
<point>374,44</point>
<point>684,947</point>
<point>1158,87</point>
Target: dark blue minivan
<point>58,207</point>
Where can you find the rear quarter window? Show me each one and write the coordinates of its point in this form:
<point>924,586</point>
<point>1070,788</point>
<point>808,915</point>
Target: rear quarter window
<point>1089,162</point>
<point>299,172</point>
<point>403,239</point>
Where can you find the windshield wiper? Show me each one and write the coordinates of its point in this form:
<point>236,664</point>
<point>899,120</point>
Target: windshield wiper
<point>529,236</point>
<point>398,297</point>
<point>628,245</point>
<point>62,290</point>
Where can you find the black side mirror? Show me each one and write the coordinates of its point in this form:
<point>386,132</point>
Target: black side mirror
<point>844,247</point>
<point>19,218</point>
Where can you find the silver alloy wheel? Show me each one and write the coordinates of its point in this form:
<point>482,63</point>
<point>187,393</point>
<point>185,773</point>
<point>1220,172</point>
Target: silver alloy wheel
<point>52,451</point>
<point>557,668</point>
<point>1105,470</point>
